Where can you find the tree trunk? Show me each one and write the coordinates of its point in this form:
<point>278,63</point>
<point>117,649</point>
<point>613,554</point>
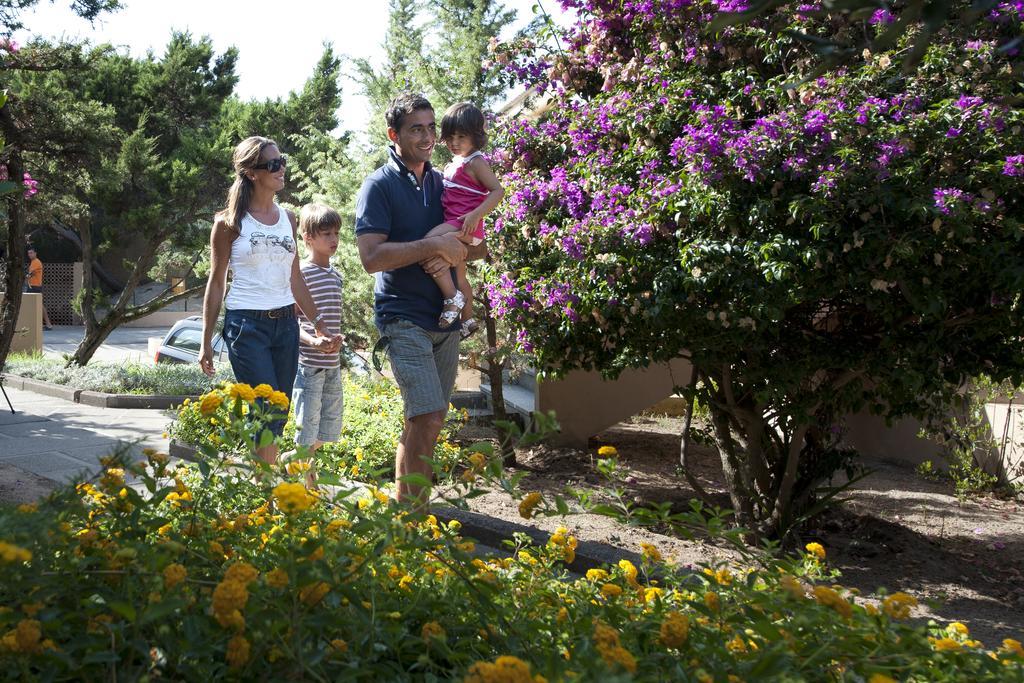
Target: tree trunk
<point>15,276</point>
<point>98,333</point>
<point>495,373</point>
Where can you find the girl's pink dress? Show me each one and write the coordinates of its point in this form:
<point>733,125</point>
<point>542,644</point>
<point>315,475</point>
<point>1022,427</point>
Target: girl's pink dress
<point>462,194</point>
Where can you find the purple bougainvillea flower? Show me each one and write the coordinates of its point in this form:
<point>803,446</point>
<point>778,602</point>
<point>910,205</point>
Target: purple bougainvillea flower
<point>1014,166</point>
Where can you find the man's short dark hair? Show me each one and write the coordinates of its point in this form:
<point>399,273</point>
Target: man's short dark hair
<point>404,104</point>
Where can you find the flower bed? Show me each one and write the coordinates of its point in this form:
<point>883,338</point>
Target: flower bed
<point>365,451</point>
<point>210,574</point>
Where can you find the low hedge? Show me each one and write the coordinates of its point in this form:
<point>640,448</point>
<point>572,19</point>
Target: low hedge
<point>208,572</point>
<point>118,378</point>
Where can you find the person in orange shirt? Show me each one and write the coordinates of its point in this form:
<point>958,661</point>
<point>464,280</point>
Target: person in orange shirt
<point>34,282</point>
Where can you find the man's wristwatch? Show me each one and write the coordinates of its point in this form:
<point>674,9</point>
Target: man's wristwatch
<point>318,319</point>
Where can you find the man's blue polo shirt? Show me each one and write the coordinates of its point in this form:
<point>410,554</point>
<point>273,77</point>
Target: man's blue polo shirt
<point>393,202</point>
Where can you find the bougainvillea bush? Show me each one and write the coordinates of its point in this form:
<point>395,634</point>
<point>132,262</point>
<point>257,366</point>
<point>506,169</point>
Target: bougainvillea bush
<point>160,571</point>
<point>815,246</point>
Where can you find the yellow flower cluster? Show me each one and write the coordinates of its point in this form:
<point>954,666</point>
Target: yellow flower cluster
<point>831,598</point>
<point>629,571</point>
<point>263,390</point>
<point>229,599</point>
<point>528,504</point>
<point>25,637</point>
<point>606,639</point>
<point>505,669</point>
<point>610,590</point>
<point>607,451</point>
<point>1013,647</point>
<point>238,652</point>
<point>112,479</point>
<point>651,553</point>
<point>721,576</point>
<point>296,467</point>
<point>674,629</point>
<point>945,644</point>
<point>432,630</point>
<point>816,549</point>
<point>313,593</point>
<point>881,678</point>
<point>243,392</point>
<point>293,497</point>
<point>277,578</point>
<point>173,575</point>
<point>564,542</point>
<point>596,575</point>
<point>12,553</point>
<point>279,399</point>
<point>898,605</point>
<point>243,572</point>
<point>209,403</point>
<point>339,646</point>
<point>476,465</point>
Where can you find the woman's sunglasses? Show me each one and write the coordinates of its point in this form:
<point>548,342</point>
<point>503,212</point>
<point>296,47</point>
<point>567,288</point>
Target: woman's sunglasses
<point>273,165</point>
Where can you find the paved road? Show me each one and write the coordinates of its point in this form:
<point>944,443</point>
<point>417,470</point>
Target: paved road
<point>123,344</point>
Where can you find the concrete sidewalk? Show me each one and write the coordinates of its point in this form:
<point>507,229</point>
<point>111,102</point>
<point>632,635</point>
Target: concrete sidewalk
<point>60,440</point>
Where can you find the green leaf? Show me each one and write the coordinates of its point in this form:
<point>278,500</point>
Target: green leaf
<point>415,479</point>
<point>484,447</point>
<point>159,610</point>
<point>122,609</point>
<point>329,479</point>
<point>102,657</point>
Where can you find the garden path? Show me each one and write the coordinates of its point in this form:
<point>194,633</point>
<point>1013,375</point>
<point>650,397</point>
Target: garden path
<point>59,440</point>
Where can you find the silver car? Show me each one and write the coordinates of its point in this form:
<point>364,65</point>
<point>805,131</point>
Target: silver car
<point>182,341</point>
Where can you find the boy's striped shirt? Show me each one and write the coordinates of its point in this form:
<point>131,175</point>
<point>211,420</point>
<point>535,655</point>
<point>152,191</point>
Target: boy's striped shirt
<point>325,286</point>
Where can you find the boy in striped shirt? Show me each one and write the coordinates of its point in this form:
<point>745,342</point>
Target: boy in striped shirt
<point>317,396</point>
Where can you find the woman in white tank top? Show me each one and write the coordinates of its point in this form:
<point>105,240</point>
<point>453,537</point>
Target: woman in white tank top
<point>255,239</point>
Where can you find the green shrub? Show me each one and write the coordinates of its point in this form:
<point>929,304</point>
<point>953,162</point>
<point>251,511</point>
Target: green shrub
<point>372,426</point>
<point>199,577</point>
<point>962,436</point>
<point>118,378</point>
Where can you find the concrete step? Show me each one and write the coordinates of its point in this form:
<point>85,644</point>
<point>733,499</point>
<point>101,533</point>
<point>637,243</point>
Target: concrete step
<point>470,400</point>
<point>518,399</point>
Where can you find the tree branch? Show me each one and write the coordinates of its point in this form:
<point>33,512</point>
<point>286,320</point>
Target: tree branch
<point>684,442</point>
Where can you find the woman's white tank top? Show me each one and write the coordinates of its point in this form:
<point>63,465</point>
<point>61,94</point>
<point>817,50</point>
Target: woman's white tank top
<point>261,265</point>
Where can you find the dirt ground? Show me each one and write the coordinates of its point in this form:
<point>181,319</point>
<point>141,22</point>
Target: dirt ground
<point>898,530</point>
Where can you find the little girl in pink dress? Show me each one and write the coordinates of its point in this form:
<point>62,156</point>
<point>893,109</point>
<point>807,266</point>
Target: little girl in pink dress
<point>471,191</point>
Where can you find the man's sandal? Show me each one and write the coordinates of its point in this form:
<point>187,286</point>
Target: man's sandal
<point>469,328</point>
<point>452,311</point>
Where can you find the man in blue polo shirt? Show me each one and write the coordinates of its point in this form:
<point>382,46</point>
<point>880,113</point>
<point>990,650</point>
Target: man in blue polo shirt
<point>397,206</point>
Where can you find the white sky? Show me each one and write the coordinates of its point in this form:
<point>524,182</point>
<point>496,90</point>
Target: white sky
<point>278,41</point>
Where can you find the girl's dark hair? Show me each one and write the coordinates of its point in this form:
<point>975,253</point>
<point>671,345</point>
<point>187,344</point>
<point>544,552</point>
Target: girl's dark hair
<point>466,119</point>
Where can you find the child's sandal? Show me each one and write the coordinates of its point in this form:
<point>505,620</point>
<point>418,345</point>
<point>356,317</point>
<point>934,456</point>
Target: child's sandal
<point>452,311</point>
<point>469,328</point>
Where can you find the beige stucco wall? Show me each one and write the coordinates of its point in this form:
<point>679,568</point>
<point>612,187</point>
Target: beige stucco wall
<point>585,403</point>
<point>28,331</point>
